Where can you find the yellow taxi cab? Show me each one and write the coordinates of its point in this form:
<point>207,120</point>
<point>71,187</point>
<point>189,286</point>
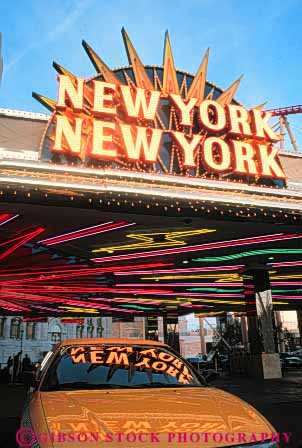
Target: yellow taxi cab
<point>132,393</point>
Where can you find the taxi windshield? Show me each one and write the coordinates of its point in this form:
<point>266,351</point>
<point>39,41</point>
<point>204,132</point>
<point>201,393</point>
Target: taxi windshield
<point>111,367</point>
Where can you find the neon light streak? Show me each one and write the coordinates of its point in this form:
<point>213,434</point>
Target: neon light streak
<point>12,306</point>
<point>74,273</point>
<point>200,247</point>
<point>216,290</point>
<point>248,254</point>
<point>218,277</point>
<point>291,297</point>
<point>148,240</point>
<point>286,264</point>
<point>183,270</point>
<point>46,308</point>
<point>21,241</point>
<point>88,231</point>
<point>177,285</point>
<point>7,217</point>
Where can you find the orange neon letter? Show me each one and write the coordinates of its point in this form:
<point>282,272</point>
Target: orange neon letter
<point>209,146</point>
<point>244,157</point>
<point>103,98</point>
<point>185,109</point>
<point>102,134</point>
<point>239,120</point>
<point>72,136</point>
<point>269,165</point>
<point>212,115</point>
<point>188,147</point>
<point>75,94</point>
<point>118,358</point>
<point>135,105</point>
<point>77,354</point>
<point>134,148</point>
<point>261,127</point>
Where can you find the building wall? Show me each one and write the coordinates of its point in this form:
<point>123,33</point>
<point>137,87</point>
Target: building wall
<point>46,336</point>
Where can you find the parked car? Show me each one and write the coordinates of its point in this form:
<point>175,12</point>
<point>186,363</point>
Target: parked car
<point>290,361</point>
<point>199,363</point>
<point>115,387</point>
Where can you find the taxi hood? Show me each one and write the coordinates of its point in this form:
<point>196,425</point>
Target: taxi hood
<point>163,411</point>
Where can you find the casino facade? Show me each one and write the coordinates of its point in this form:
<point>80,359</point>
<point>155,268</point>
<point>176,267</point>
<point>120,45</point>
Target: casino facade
<point>148,192</point>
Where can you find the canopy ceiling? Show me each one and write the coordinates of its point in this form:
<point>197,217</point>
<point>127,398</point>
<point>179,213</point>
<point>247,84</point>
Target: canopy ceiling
<point>66,261</point>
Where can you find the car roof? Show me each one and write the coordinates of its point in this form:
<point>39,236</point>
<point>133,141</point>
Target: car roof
<point>99,341</point>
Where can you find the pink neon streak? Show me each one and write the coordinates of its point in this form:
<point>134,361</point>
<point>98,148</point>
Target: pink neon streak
<point>23,239</point>
<point>7,217</point>
<point>183,270</point>
<point>288,297</point>
<point>88,231</point>
<point>173,285</point>
<point>200,247</point>
<point>286,263</point>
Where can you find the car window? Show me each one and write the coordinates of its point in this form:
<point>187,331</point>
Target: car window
<point>107,366</point>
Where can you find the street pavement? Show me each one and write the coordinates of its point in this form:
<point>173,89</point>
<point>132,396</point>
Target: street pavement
<point>280,401</point>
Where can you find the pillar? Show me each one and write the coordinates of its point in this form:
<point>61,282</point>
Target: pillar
<point>264,362</point>
<point>203,348</point>
<point>151,328</point>
<point>299,319</point>
<point>171,335</point>
<point>280,341</point>
<point>244,332</point>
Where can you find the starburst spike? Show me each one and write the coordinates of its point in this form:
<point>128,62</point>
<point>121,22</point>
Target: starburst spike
<point>260,107</point>
<point>227,96</point>
<point>170,82</point>
<point>141,76</point>
<point>198,85</point>
<point>47,102</point>
<point>62,71</point>
<point>100,65</point>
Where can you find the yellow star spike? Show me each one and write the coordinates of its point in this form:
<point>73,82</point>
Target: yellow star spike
<point>197,88</point>
<point>141,77</point>
<point>227,96</point>
<point>100,65</point>
<point>260,107</point>
<point>47,102</point>
<point>151,240</point>
<point>170,82</point>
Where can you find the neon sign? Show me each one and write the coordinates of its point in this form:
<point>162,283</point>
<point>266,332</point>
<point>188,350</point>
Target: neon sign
<point>157,361</point>
<point>132,119</point>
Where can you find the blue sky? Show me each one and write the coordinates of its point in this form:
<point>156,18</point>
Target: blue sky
<point>260,39</point>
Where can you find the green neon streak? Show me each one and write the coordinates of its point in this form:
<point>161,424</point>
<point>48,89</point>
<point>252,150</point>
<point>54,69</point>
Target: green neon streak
<point>138,307</point>
<point>294,291</point>
<point>215,289</point>
<point>249,253</point>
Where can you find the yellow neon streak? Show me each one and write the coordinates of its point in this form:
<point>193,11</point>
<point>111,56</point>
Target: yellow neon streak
<point>146,240</point>
<point>285,277</point>
<point>80,310</point>
<point>220,277</point>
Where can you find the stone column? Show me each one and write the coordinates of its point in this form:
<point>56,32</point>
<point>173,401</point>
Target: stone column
<point>203,348</point>
<point>7,324</point>
<point>171,335</point>
<point>265,362</point>
<point>280,341</point>
<point>151,328</point>
<point>299,319</point>
<point>244,332</point>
